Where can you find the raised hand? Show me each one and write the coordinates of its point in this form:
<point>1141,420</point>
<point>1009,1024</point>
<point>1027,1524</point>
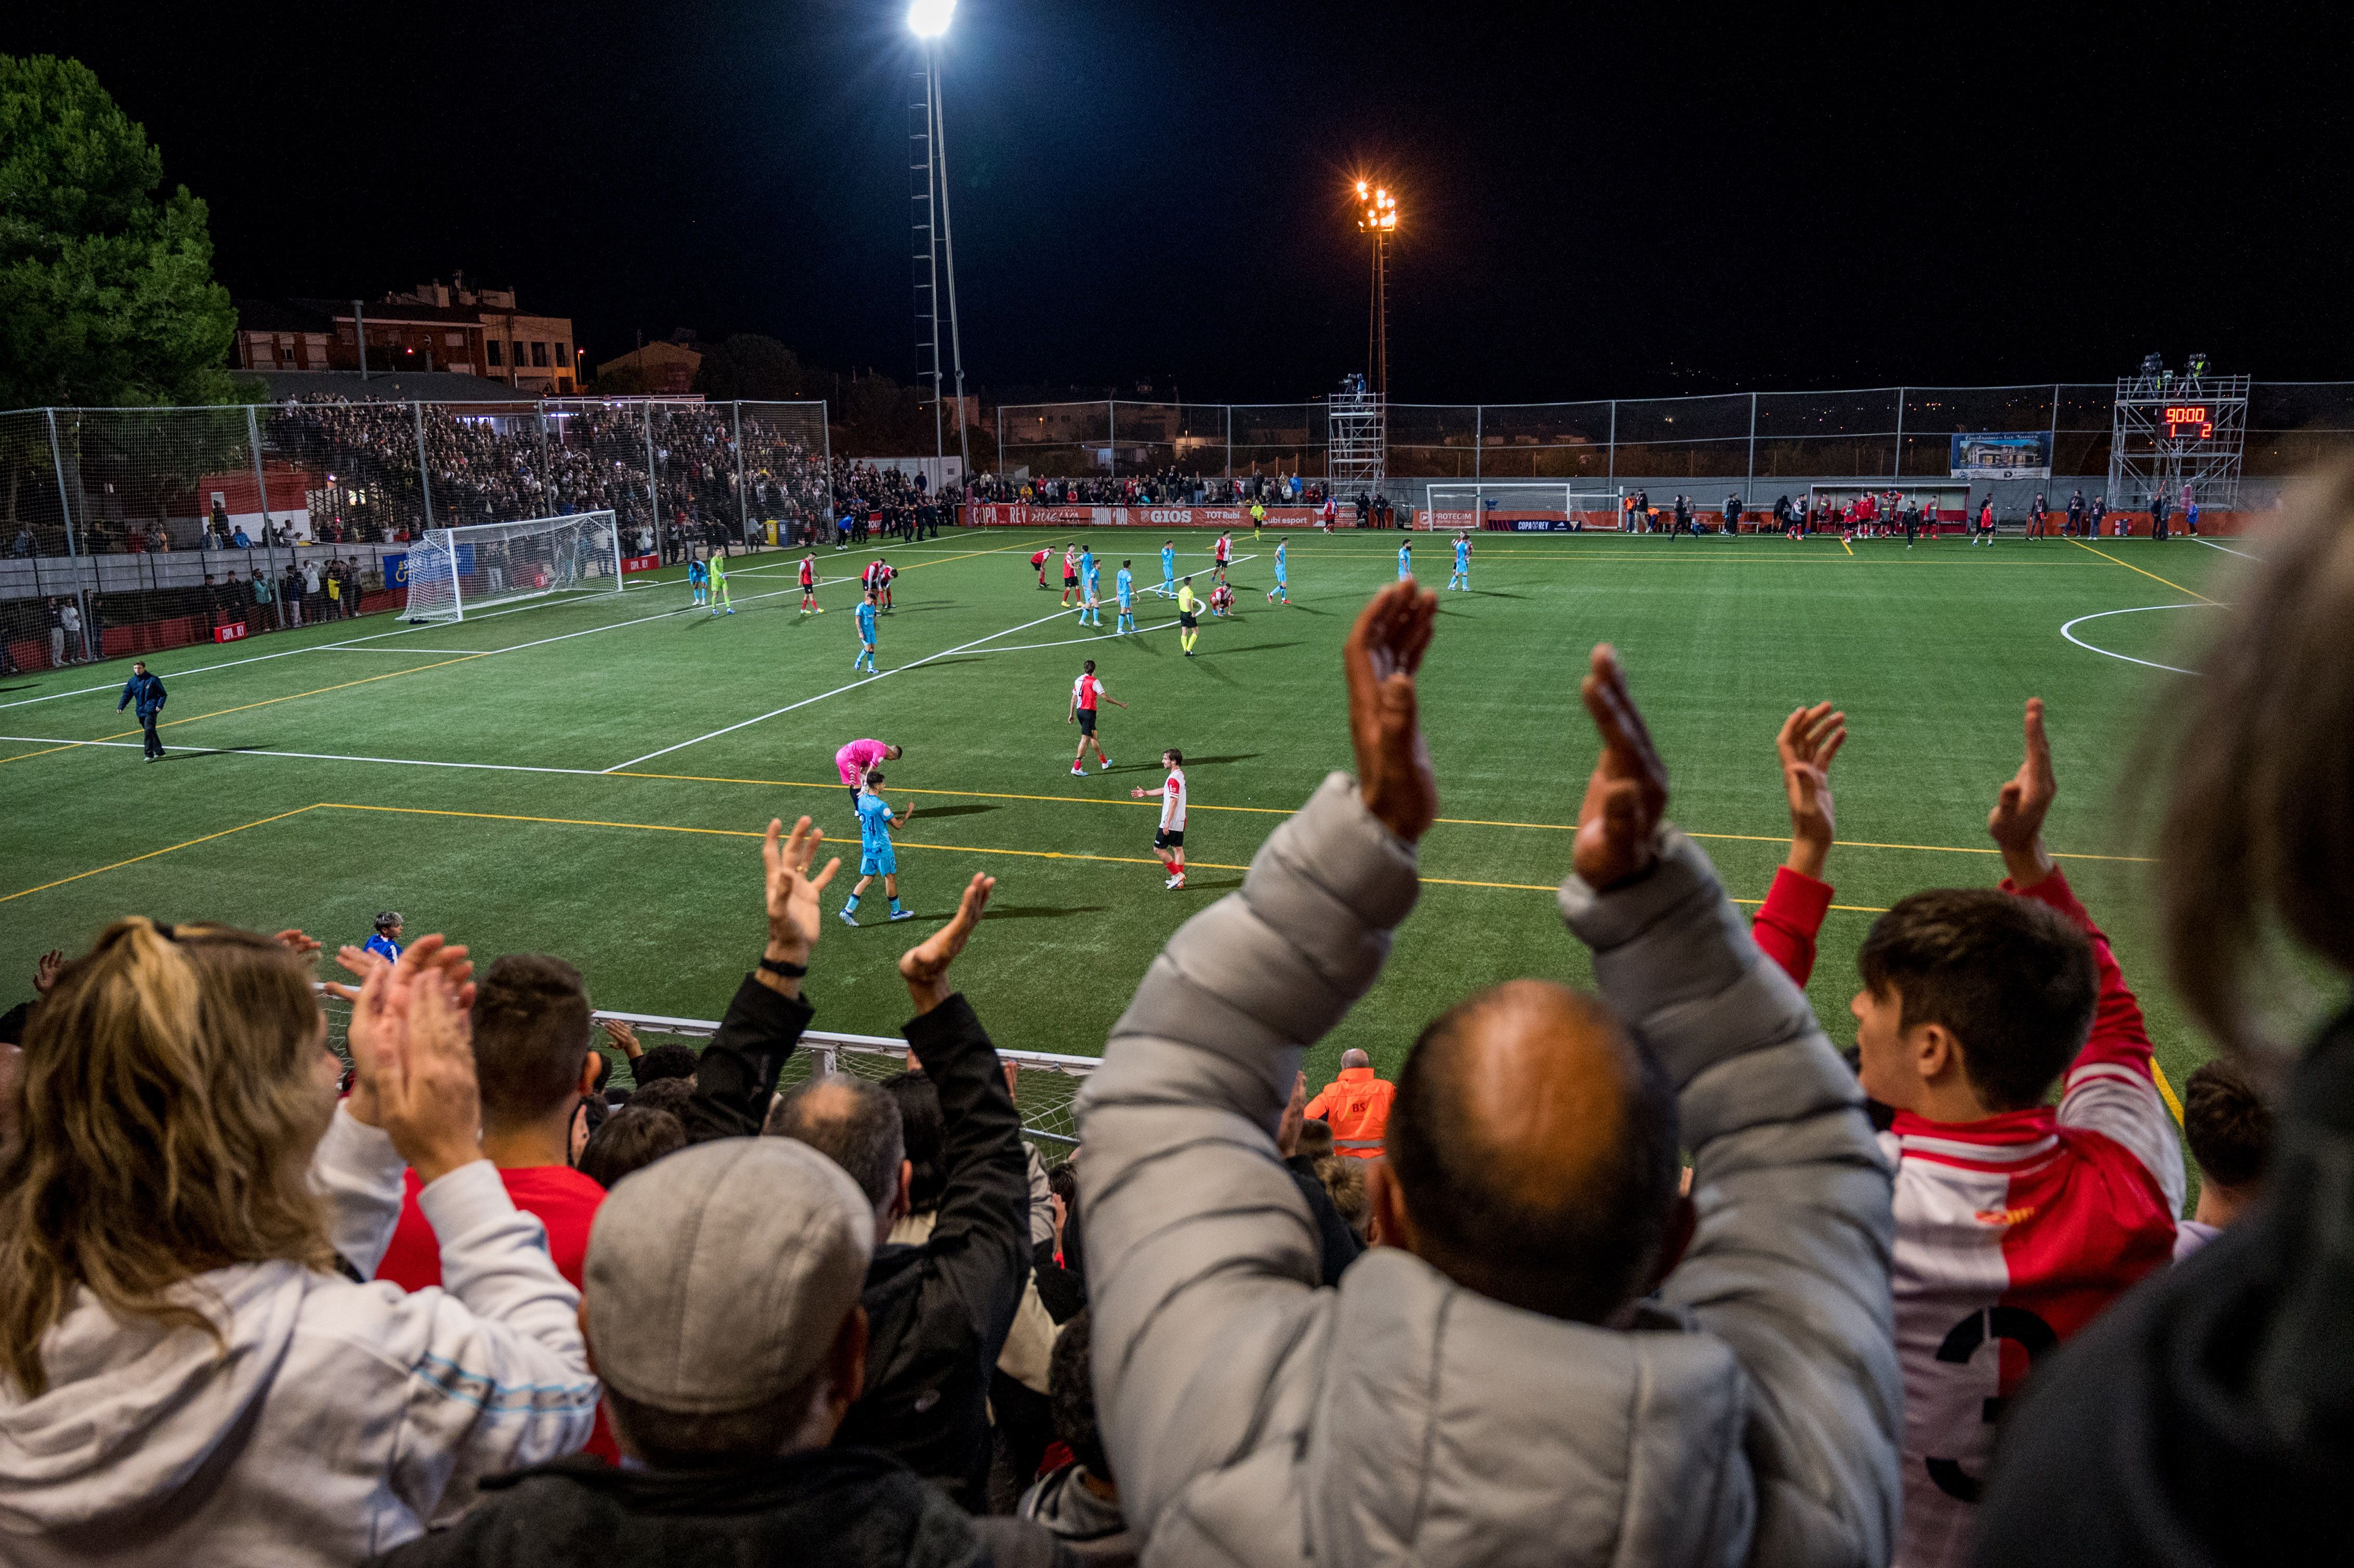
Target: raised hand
<point>2015,823</point>
<point>624,1038</point>
<point>1628,793</point>
<point>1810,737</point>
<point>794,895</point>
<point>46,973</point>
<point>925,967</point>
<point>1382,654</point>
<point>297,941</point>
<point>426,1091</point>
<point>1294,1116</point>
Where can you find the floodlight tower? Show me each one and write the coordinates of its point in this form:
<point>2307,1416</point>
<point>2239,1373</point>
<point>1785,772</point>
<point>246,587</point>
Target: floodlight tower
<point>928,20</point>
<point>1377,216</point>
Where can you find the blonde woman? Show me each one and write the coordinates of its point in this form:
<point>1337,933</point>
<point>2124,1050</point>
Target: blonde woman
<point>190,1369</point>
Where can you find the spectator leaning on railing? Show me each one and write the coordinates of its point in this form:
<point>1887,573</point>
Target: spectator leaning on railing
<point>1495,1383</point>
<point>190,1370</point>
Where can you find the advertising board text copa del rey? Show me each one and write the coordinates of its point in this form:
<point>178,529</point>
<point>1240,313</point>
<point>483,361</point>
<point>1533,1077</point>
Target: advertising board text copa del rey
<point>994,514</point>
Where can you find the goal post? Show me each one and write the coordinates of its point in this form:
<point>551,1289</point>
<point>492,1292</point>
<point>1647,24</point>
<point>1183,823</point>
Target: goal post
<point>454,570</point>
<point>1534,506</point>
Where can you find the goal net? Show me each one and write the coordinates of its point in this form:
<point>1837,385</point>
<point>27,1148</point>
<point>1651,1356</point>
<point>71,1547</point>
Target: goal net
<point>455,570</point>
<point>1519,504</point>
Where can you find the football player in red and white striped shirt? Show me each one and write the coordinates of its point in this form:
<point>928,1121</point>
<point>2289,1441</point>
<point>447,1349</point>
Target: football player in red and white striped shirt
<point>810,605</point>
<point>1169,843</point>
<point>2016,1222</point>
<point>1085,692</point>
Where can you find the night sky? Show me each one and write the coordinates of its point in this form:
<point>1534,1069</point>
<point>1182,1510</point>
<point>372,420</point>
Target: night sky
<point>1157,192</point>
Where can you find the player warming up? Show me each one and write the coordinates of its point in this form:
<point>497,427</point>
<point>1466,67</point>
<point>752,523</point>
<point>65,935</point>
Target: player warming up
<point>810,605</point>
<point>1085,692</point>
<point>1461,574</point>
<point>1169,568</point>
<point>875,855</point>
<point>719,599</point>
<point>1189,625</point>
<point>1125,585</point>
<point>1282,588</point>
<point>856,759</point>
<point>1169,843</point>
<point>866,659</point>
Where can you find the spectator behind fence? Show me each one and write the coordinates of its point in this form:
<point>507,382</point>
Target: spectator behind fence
<point>2229,1127</point>
<point>1079,1502</point>
<point>631,1138</point>
<point>533,1061</point>
<point>942,1298</point>
<point>189,1372</point>
<point>2209,1417</point>
<point>1471,1391</point>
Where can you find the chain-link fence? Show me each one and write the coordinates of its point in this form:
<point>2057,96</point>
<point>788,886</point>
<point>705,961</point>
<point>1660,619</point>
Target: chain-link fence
<point>128,530</point>
<point>1045,1086</point>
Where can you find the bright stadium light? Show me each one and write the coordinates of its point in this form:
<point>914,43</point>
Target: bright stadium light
<point>930,18</point>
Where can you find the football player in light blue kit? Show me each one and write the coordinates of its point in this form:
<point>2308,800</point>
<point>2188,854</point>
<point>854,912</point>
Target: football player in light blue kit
<point>1405,561</point>
<point>1281,589</point>
<point>1169,568</point>
<point>699,580</point>
<point>1462,573</point>
<point>866,635</point>
<point>1125,586</point>
<point>875,855</point>
<point>1091,573</point>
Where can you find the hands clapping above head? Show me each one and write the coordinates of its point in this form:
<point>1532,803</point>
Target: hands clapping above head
<point>412,1053</point>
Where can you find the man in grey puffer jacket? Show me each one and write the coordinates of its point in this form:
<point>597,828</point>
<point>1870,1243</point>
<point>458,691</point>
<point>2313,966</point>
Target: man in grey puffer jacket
<point>1520,1402</point>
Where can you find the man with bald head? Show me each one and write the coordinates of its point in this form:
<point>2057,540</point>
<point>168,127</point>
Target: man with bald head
<point>1356,1107</point>
<point>1550,1356</point>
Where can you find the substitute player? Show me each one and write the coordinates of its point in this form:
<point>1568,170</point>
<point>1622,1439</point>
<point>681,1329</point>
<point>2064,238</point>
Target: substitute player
<point>1461,574</point>
<point>1085,692</point>
<point>866,635</point>
<point>719,585</point>
<point>854,761</point>
<point>697,579</point>
<point>1070,573</point>
<point>1324,516</point>
<point>1189,624</point>
<point>810,605</point>
<point>1405,561</point>
<point>875,855</point>
<point>1125,586</point>
<point>1169,568</point>
<point>1169,843</point>
<point>1282,588</point>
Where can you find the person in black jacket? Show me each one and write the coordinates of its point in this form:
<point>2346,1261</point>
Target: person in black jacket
<point>147,691</point>
<point>938,1309</point>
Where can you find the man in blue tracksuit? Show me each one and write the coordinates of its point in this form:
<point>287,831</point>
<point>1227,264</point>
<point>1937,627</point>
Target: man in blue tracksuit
<point>146,691</point>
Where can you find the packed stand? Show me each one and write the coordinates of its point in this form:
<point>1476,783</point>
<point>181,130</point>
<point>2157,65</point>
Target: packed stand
<point>1648,1273</point>
<point>1168,487</point>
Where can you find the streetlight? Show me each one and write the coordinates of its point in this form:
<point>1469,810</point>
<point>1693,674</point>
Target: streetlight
<point>928,20</point>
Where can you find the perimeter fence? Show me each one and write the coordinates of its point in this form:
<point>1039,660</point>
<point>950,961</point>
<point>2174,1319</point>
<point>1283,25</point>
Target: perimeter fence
<point>1751,438</point>
<point>128,530</point>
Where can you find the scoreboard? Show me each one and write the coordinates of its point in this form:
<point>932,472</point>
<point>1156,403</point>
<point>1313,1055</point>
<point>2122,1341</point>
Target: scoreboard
<point>2187,421</point>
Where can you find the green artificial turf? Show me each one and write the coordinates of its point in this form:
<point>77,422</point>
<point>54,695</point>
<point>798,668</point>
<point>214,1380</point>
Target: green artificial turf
<point>652,884</point>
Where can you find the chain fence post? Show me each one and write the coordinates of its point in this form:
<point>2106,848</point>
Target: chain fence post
<point>1111,434</point>
<point>2052,448</point>
<point>424,468</point>
<point>1478,438</point>
<point>826,432</point>
<point>1230,440</point>
<point>1749,485</point>
<point>261,485</point>
<point>65,514</point>
<point>653,485</point>
<point>546,495</point>
<point>1896,470</point>
<point>742,483</point>
<point>1613,477</point>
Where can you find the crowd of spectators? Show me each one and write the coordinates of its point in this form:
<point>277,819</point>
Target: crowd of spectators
<point>1170,486</point>
<point>1644,1275</point>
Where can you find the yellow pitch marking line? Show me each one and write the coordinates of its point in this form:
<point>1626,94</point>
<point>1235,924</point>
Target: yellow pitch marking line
<point>151,854</point>
<point>2153,576</point>
<point>1848,548</point>
<point>242,708</point>
<point>2165,1090</point>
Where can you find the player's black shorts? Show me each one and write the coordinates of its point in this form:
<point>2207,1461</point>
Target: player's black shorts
<point>1087,721</point>
<point>1070,579</point>
<point>1188,622</point>
<point>1165,839</point>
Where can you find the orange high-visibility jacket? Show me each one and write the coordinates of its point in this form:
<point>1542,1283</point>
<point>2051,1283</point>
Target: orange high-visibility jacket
<point>1356,1106</point>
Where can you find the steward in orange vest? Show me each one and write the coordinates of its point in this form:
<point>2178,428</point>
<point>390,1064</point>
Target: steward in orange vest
<point>1356,1106</point>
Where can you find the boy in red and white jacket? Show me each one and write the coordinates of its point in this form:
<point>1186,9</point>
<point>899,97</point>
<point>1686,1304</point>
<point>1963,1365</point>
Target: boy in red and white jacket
<point>2016,1222</point>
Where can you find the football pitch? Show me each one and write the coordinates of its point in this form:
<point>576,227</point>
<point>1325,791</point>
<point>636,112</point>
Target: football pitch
<point>589,777</point>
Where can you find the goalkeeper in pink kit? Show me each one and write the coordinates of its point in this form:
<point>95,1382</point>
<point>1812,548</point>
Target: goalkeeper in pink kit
<point>854,759</point>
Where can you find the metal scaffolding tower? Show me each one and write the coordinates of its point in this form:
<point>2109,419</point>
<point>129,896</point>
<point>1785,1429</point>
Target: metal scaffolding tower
<point>2173,432</point>
<point>1358,455</point>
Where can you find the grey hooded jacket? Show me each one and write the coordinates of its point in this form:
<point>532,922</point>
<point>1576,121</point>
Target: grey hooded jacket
<point>1253,1418</point>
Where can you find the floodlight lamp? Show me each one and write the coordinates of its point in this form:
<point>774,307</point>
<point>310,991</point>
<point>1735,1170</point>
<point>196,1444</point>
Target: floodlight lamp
<point>1360,187</point>
<point>930,18</point>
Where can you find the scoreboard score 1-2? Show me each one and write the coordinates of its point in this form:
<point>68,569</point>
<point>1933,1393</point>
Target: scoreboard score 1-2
<point>2188,422</point>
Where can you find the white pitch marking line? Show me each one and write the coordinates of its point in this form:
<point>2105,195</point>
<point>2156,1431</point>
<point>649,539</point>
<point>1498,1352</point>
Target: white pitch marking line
<point>312,756</point>
<point>2069,631</point>
<point>2225,548</point>
<point>788,707</point>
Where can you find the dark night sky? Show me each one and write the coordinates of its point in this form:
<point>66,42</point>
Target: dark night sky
<point>1596,206</point>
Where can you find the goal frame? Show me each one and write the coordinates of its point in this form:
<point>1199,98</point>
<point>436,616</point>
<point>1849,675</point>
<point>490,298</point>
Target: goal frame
<point>1559,497</point>
<point>440,548</point>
